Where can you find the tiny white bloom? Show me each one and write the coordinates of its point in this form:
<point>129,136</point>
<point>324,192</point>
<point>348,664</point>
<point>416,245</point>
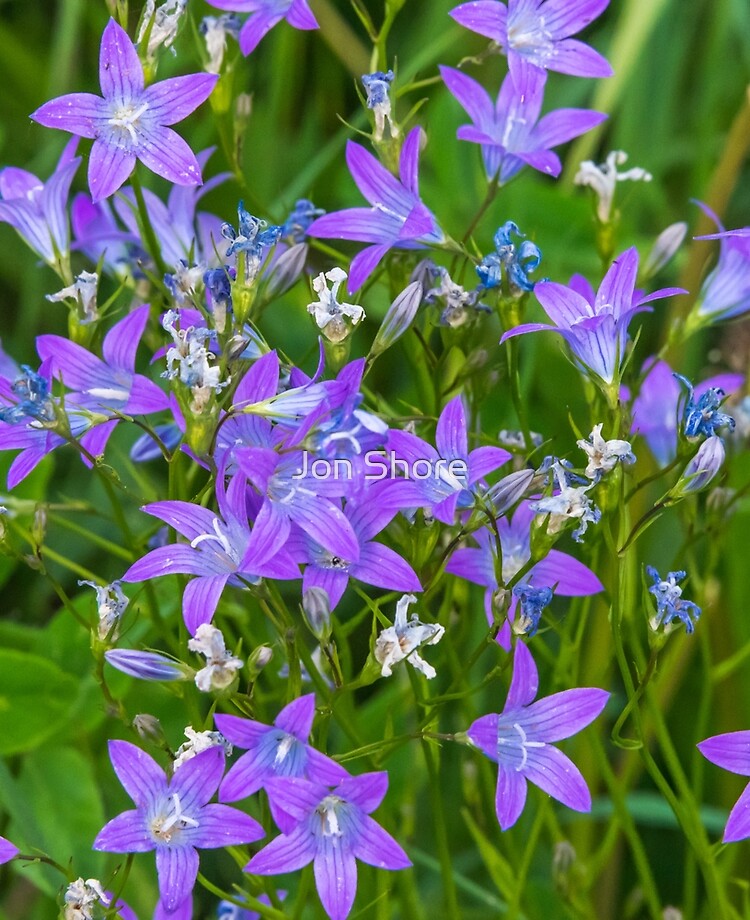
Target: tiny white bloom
<point>330,315</point>
<point>111,604</point>
<point>83,292</point>
<point>603,180</point>
<point>166,23</point>
<point>198,742</point>
<point>215,30</point>
<point>220,665</point>
<point>82,896</point>
<point>604,455</point>
<point>401,641</point>
<point>570,503</point>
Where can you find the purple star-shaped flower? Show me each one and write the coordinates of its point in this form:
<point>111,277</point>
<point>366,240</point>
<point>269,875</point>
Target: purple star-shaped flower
<point>38,210</point>
<point>332,829</point>
<point>173,817</point>
<point>519,740</point>
<point>597,332</point>
<point>275,750</point>
<point>568,576</point>
<point>510,131</point>
<point>731,751</point>
<point>397,216</point>
<point>130,122</point>
<point>265,14</point>
<point>534,34</point>
<point>454,471</point>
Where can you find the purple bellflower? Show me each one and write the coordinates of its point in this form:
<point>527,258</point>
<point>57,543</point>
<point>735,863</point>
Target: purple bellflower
<point>275,750</point>
<point>534,34</point>
<point>173,817</point>
<point>519,740</point>
<point>376,565</point>
<point>596,332</point>
<point>509,130</point>
<point>568,576</point>
<point>725,293</point>
<point>397,217</point>
<point>332,829</point>
<point>455,472</point>
<point>130,122</point>
<point>38,210</point>
<point>655,409</point>
<point>731,751</point>
<point>218,543</point>
<point>264,15</point>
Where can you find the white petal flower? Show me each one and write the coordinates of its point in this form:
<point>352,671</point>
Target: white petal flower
<point>603,180</point>
<point>604,455</point>
<point>198,742</point>
<point>401,641</point>
<point>82,896</point>
<point>330,315</point>
<point>220,665</point>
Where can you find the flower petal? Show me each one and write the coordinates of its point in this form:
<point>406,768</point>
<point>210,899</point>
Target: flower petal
<point>525,681</point>
<point>174,99</point>
<point>486,17</point>
<point>141,776</point>
<point>730,751</point>
<point>335,877</point>
<point>286,853</point>
<point>222,826</point>
<point>109,167</point>
<point>127,833</point>
<point>562,714</point>
<point>120,70</point>
<point>558,776</point>
<point>164,152</point>
<point>375,182</point>
<point>296,718</point>
<point>376,847</point>
<point>178,869</point>
<point>738,823</point>
<point>255,28</point>
<point>78,113</point>
<point>510,797</point>
<point>198,778</point>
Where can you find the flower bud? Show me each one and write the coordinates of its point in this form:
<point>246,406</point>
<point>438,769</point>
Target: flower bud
<point>316,607</point>
<point>399,317</point>
<point>666,245</point>
<point>145,665</point>
<point>702,469</point>
<point>149,729</point>
<point>509,490</point>
<point>260,657</point>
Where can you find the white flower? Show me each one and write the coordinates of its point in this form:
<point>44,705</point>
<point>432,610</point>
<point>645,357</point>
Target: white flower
<point>604,455</point>
<point>330,315</point>
<point>82,896</point>
<point>220,665</point>
<point>111,604</point>
<point>166,23</point>
<point>198,742</point>
<point>603,180</point>
<point>400,641</point>
<point>215,30</point>
<point>190,360</point>
<point>570,502</point>
<point>83,292</point>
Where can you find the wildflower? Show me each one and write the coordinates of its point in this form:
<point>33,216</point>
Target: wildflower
<point>533,601</point>
<point>604,455</point>
<point>131,120</point>
<point>38,210</point>
<point>725,293</point>
<point>280,749</point>
<point>597,332</point>
<point>264,15</point>
<point>670,605</point>
<point>377,85</point>
<point>161,23</point>
<point>655,409</point>
<point>568,503</point>
<point>398,318</point>
<point>83,291</point>
<point>460,305</point>
<point>401,641</point>
<point>215,30</point>
<point>509,130</point>
<point>535,34</point>
<point>702,417</point>
<point>184,282</point>
<point>515,262</point>
<point>173,817</point>
<point>34,400</point>
<point>731,751</point>
<point>519,740</point>
<point>397,217</point>
<point>702,468</point>
<point>190,361</point>
<point>330,315</point>
<point>111,604</point>
<point>144,665</point>
<point>81,897</point>
<point>300,217</point>
<point>332,829</point>
<point>219,672</point>
<point>8,850</point>
<point>253,237</point>
<point>603,180</point>
<point>197,742</point>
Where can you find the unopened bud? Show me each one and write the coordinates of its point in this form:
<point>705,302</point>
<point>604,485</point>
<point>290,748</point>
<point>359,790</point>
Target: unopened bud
<point>509,490</point>
<point>145,665</point>
<point>399,317</point>
<point>702,469</point>
<point>666,245</point>
<point>260,657</point>
<point>316,606</point>
<point>149,729</point>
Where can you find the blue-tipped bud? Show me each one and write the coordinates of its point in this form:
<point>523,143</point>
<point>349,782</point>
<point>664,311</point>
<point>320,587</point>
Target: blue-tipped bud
<point>145,665</point>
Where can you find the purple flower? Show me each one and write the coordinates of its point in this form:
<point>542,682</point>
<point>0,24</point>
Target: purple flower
<point>597,332</point>
<point>509,130</point>
<point>732,752</point>
<point>534,34</point>
<point>656,406</point>
<point>218,543</point>
<point>130,121</point>
<point>376,565</point>
<point>144,665</point>
<point>173,817</point>
<point>8,850</point>
<point>725,293</point>
<point>570,577</point>
<point>455,472</point>
<point>519,740</point>
<point>397,216</point>
<point>38,210</point>
<point>264,15</point>
<point>275,750</point>
<point>331,828</point>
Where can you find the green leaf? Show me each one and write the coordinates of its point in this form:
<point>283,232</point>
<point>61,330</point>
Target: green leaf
<point>35,697</point>
<point>500,870</point>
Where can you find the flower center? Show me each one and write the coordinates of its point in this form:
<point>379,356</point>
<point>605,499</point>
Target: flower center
<point>512,743</point>
<point>327,811</point>
<point>218,536</point>
<point>126,117</point>
<point>166,827</point>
